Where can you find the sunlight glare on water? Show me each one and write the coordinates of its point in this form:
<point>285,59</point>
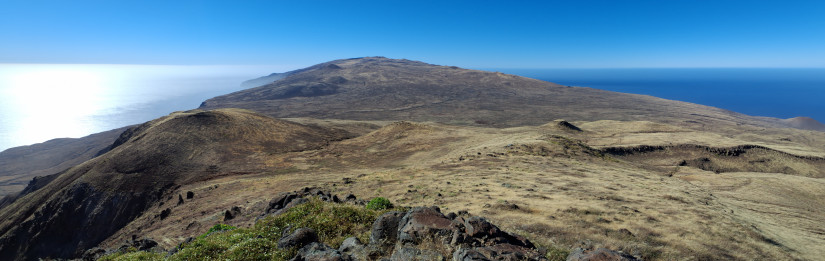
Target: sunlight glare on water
<point>39,102</point>
<point>52,101</point>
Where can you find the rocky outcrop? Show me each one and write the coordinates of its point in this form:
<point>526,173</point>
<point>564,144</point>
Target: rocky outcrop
<point>421,233</point>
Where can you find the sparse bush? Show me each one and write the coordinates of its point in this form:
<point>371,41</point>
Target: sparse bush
<point>379,203</point>
<point>556,254</point>
<point>217,228</point>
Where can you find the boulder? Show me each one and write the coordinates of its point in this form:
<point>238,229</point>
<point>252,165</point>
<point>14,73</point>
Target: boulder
<point>488,234</point>
<point>424,222</point>
<point>298,238</point>
<point>415,254</point>
<point>385,228</point>
<point>280,201</point>
<point>92,254</point>
<point>144,244</point>
<point>497,252</point>
<point>231,213</point>
<point>319,252</point>
<point>353,247</point>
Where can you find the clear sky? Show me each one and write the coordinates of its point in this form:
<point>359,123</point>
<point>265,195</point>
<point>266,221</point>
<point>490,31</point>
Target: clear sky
<point>476,34</point>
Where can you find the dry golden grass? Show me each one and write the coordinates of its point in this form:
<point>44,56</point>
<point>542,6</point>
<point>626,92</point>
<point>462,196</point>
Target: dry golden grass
<point>542,182</point>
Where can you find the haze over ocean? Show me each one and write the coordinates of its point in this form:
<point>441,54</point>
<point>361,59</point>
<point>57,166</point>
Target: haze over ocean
<point>40,102</point>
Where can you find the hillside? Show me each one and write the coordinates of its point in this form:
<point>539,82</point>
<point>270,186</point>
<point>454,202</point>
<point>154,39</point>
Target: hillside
<point>654,178</point>
<point>87,203</point>
<point>377,88</point>
<point>21,164</point>
<point>559,187</point>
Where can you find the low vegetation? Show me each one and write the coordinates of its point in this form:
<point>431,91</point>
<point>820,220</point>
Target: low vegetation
<point>379,203</point>
<point>333,223</point>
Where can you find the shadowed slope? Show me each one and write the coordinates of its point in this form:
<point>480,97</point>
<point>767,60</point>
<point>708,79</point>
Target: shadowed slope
<point>377,88</point>
<point>21,164</point>
<point>89,202</point>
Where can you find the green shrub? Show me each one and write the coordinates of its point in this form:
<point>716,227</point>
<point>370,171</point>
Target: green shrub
<point>379,203</point>
<point>217,228</point>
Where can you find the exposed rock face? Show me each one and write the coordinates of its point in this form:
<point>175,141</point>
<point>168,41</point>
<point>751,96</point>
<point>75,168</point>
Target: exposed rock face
<point>319,252</point>
<point>421,233</point>
<point>421,223</point>
<point>298,238</point>
<point>385,228</point>
<point>742,158</point>
<point>472,238</point>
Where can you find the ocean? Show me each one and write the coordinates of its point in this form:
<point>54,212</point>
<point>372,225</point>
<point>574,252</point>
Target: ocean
<point>777,92</point>
<point>41,102</point>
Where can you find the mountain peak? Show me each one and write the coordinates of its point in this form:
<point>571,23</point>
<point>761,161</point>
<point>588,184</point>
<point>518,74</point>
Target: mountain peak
<point>380,88</point>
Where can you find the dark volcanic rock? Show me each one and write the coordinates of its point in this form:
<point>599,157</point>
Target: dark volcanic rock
<point>411,253</point>
<point>424,222</point>
<point>353,247</point>
<point>231,213</point>
<point>599,254</point>
<point>497,252</point>
<point>480,228</point>
<point>319,252</point>
<point>144,244</point>
<point>298,238</point>
<point>385,228</point>
<point>93,254</point>
<point>568,126</point>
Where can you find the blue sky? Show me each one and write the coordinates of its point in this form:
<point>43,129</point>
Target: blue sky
<point>477,34</point>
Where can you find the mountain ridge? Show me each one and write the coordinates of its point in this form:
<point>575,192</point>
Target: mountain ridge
<point>379,88</point>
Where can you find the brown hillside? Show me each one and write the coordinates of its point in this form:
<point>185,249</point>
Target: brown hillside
<point>558,187</point>
<point>377,88</point>
<point>87,203</point>
<point>21,164</point>
<point>805,123</point>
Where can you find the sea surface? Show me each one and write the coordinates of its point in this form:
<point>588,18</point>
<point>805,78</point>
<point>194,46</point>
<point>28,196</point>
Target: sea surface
<point>40,102</point>
<point>779,92</point>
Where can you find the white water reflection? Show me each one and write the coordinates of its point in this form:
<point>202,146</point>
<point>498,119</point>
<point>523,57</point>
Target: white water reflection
<point>41,102</point>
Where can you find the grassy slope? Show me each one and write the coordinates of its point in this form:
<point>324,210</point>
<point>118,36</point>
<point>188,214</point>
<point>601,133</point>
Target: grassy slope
<point>566,195</point>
